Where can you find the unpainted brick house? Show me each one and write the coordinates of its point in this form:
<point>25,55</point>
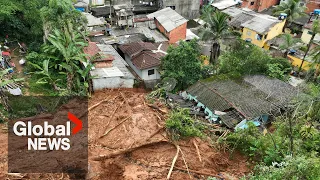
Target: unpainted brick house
<point>171,24</point>
<point>259,5</point>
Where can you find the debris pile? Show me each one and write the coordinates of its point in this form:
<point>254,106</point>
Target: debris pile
<point>128,140</point>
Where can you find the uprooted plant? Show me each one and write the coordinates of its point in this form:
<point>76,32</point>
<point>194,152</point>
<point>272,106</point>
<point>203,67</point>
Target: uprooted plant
<point>179,125</point>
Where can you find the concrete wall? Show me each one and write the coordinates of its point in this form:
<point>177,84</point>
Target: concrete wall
<point>113,82</point>
<point>138,71</point>
<point>306,36</point>
<point>155,76</point>
<point>187,8</point>
<point>295,61</point>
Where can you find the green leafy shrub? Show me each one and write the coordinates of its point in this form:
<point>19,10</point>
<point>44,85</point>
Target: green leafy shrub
<point>297,168</point>
<point>277,71</point>
<point>180,125</point>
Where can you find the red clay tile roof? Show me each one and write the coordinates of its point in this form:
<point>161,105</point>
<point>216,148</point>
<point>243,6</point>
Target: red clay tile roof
<point>92,50</point>
<point>147,59</point>
<point>133,49</point>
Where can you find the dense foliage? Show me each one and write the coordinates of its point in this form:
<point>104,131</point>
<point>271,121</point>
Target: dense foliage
<point>59,61</point>
<point>247,59</point>
<point>182,63</point>
<point>21,21</point>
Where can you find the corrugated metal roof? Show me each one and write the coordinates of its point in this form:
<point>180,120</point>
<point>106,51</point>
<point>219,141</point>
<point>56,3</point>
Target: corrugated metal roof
<point>168,18</point>
<point>251,97</point>
<point>240,19</point>
<point>118,61</point>
<point>261,23</point>
<point>223,4</point>
<point>233,11</point>
<point>93,21</point>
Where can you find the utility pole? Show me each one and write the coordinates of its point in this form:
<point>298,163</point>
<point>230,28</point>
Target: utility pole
<point>110,12</point>
<point>309,45</point>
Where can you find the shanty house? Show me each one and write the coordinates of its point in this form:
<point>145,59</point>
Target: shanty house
<point>144,58</point>
<point>262,28</point>
<point>124,15</point>
<point>255,28</point>
<point>170,23</point>
<point>110,70</point>
<point>250,98</point>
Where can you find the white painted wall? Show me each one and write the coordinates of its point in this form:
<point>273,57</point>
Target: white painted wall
<point>155,76</point>
<point>109,83</point>
<point>143,74</point>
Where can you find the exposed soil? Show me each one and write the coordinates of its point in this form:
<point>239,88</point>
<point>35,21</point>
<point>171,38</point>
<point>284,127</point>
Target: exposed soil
<point>129,123</point>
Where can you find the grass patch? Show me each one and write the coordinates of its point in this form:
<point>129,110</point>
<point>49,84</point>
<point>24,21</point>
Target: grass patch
<point>28,106</point>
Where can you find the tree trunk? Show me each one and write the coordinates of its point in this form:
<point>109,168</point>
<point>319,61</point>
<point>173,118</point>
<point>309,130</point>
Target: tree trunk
<point>291,136</point>
<point>308,49</point>
<point>317,72</point>
<point>69,81</point>
<point>215,53</point>
<point>285,55</point>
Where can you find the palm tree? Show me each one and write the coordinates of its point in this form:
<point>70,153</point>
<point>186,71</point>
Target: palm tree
<point>288,42</point>
<point>315,30</point>
<point>216,29</point>
<point>292,8</point>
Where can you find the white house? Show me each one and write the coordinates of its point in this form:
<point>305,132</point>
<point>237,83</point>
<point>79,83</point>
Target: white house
<point>144,58</point>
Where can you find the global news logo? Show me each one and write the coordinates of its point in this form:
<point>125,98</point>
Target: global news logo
<point>47,136</point>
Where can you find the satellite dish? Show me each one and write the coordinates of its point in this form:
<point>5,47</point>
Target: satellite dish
<point>169,83</point>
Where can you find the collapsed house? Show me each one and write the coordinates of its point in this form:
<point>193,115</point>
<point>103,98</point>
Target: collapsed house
<point>232,101</point>
<point>109,69</point>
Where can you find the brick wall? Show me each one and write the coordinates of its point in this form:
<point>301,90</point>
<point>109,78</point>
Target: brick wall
<point>259,5</point>
<point>312,5</point>
<point>178,34</point>
<point>161,28</point>
<point>175,35</point>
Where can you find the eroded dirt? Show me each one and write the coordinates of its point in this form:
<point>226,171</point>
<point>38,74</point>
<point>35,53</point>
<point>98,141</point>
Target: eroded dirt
<point>133,125</point>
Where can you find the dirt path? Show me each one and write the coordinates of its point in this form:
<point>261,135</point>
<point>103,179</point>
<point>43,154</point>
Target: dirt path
<point>134,124</point>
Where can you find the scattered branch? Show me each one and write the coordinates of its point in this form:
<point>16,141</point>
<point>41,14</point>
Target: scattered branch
<point>198,152</point>
<point>106,133</point>
<point>184,160</point>
<point>173,161</point>
<point>117,153</point>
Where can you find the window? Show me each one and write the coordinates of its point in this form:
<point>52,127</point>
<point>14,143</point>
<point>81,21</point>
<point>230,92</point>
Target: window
<point>248,33</point>
<point>259,37</point>
<point>251,3</point>
<point>150,72</point>
<point>310,32</point>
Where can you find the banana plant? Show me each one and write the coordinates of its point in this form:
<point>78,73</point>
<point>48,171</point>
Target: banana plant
<point>46,75</point>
